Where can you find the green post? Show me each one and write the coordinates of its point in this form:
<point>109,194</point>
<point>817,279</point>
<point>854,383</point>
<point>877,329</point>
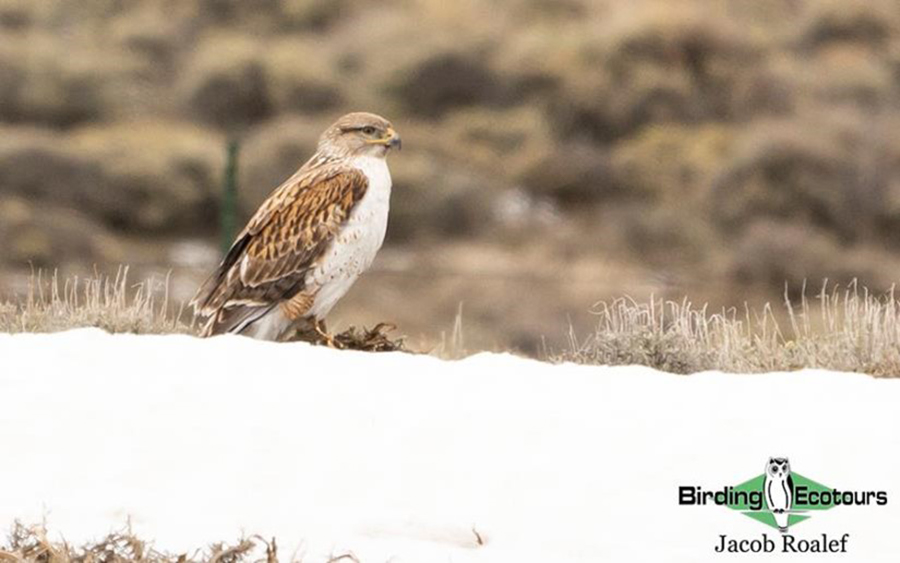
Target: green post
<point>228,219</point>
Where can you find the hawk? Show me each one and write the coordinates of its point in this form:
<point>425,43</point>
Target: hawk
<point>309,241</point>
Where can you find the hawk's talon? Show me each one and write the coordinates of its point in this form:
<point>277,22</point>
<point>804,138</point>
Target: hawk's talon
<point>324,336</point>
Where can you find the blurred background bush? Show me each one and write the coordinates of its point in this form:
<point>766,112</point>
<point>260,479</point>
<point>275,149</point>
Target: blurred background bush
<point>555,153</point>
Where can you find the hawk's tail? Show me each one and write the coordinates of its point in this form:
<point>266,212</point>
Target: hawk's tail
<point>214,293</point>
<point>233,320</point>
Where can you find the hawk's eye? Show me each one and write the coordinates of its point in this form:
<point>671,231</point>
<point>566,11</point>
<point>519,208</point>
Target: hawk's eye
<point>368,130</point>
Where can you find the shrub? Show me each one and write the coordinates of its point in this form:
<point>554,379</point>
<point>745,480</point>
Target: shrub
<point>301,78</point>
<point>781,171</point>
<point>44,89</point>
<point>445,80</point>
<point>155,175</point>
<point>866,22</point>
<point>653,67</point>
<point>46,236</point>
<point>225,84</point>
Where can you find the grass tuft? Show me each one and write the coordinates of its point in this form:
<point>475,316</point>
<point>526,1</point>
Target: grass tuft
<point>109,303</point>
<point>842,329</point>
<point>116,306</point>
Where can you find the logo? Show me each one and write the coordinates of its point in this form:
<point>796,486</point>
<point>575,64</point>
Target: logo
<point>780,499</point>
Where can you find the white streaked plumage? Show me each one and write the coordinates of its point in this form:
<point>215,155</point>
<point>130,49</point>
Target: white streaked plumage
<point>355,247</point>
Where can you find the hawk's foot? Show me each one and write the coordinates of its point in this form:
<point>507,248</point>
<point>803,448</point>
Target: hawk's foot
<point>325,337</point>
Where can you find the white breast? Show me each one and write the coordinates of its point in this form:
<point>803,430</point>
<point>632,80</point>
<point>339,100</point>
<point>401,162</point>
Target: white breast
<point>355,247</point>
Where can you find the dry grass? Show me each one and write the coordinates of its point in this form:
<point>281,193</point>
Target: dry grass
<point>31,544</point>
<point>117,306</point>
<point>843,329</point>
<point>110,303</point>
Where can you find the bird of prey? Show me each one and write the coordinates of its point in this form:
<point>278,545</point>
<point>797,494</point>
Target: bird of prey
<point>309,241</point>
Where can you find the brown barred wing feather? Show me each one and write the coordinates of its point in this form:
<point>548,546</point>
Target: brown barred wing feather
<point>269,260</point>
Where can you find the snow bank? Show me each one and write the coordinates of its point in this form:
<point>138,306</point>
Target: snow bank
<point>399,457</point>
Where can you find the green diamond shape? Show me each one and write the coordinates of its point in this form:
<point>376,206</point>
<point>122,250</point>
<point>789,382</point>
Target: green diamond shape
<point>764,516</point>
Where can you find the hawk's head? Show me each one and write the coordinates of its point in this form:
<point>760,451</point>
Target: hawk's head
<point>359,134</point>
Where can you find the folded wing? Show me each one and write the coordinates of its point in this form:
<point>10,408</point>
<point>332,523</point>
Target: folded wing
<point>269,260</point>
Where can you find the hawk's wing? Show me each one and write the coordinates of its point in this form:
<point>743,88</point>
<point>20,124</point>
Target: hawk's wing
<point>269,260</point>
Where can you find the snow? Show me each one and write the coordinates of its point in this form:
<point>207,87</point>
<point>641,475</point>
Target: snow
<point>399,457</point>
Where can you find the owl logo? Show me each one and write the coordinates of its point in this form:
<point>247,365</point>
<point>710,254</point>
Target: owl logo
<point>779,490</point>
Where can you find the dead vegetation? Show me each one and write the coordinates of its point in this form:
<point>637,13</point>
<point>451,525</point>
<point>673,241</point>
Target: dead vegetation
<point>373,339</point>
<point>118,306</point>
<point>31,544</point>
<point>110,303</point>
<point>841,329</point>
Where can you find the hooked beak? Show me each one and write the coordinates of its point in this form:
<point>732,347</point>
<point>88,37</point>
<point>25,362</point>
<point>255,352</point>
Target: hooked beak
<point>391,140</point>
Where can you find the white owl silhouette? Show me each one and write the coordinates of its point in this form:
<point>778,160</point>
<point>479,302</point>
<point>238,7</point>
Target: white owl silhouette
<point>779,490</point>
